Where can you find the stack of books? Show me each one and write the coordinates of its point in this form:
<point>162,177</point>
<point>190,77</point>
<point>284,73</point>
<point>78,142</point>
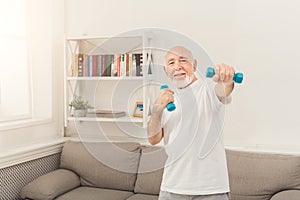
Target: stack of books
<point>107,113</point>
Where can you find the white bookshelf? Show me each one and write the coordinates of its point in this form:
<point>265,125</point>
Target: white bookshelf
<point>106,92</point>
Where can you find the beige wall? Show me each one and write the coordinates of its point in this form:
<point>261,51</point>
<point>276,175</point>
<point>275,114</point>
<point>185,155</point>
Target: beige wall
<point>259,37</point>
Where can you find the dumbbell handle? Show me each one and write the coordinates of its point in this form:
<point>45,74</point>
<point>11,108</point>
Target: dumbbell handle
<point>170,106</point>
<point>237,77</point>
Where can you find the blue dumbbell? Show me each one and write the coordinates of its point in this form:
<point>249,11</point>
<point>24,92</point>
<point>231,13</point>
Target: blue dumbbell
<point>238,77</point>
<point>171,106</point>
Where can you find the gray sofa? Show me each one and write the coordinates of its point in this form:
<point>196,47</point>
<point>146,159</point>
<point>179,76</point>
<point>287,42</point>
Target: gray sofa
<point>126,172</point>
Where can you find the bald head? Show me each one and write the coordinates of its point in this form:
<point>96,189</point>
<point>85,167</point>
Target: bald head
<point>181,52</point>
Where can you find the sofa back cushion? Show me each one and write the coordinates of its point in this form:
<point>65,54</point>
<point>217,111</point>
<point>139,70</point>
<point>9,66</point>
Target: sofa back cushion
<point>150,170</point>
<point>258,176</point>
<point>103,164</point>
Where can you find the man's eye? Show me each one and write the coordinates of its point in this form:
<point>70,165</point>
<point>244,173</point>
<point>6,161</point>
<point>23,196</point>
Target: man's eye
<point>171,63</point>
<point>182,60</point>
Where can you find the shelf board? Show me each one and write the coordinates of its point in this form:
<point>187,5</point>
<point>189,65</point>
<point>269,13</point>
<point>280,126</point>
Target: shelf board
<point>103,119</point>
<point>133,78</point>
<point>89,37</point>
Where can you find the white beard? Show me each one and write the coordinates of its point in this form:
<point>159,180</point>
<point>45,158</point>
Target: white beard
<point>183,83</point>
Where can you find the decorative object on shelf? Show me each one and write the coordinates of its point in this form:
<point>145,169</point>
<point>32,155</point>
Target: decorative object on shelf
<point>80,106</point>
<point>138,109</point>
<point>149,63</point>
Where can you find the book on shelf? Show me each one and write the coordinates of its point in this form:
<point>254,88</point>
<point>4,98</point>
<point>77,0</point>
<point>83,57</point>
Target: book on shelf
<point>94,65</point>
<point>138,64</point>
<point>74,65</point>
<point>107,113</point>
<point>130,65</point>
<point>117,65</point>
<point>126,64</point>
<point>107,61</point>
<point>80,64</point>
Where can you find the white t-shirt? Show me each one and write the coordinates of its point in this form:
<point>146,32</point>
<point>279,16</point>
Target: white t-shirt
<point>196,163</point>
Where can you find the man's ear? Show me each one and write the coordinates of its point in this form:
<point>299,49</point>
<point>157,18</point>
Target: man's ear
<point>165,70</point>
<point>195,65</point>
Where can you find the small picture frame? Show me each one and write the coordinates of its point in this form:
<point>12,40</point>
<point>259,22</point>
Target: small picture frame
<point>138,109</point>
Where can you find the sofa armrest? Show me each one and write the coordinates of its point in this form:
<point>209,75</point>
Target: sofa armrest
<point>51,185</point>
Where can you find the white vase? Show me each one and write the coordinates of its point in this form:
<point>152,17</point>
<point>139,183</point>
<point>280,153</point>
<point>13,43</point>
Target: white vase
<point>79,113</point>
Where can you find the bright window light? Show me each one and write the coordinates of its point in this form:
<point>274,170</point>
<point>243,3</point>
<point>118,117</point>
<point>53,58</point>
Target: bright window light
<point>15,95</point>
<point>12,18</point>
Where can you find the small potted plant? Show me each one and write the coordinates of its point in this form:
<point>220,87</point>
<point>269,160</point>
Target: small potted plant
<point>80,106</point>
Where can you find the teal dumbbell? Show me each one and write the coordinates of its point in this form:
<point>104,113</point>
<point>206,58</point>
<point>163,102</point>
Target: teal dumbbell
<point>171,106</point>
<point>237,77</point>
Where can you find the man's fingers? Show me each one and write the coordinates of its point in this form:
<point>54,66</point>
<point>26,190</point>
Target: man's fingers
<point>167,96</point>
<point>167,99</point>
<point>217,70</point>
<point>223,73</point>
<point>231,73</point>
<point>227,74</point>
<point>167,90</point>
<point>216,78</point>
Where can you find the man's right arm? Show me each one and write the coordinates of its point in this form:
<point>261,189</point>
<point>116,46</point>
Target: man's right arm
<point>154,129</point>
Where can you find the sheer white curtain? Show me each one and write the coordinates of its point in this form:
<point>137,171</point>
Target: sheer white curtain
<point>31,73</point>
<point>15,92</point>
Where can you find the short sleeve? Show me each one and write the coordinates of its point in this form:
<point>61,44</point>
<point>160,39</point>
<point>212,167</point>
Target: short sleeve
<point>226,100</point>
<point>216,101</point>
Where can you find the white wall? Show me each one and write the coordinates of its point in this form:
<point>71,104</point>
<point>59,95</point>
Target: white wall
<point>258,37</point>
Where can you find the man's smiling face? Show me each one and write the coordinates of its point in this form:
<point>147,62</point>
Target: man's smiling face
<point>180,66</point>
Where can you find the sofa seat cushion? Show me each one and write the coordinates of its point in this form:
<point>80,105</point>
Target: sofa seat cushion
<point>258,176</point>
<point>89,193</point>
<point>150,172</point>
<point>287,195</point>
<point>143,197</point>
<point>103,164</point>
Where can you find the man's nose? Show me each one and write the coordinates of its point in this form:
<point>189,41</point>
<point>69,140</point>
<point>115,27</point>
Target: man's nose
<point>178,66</point>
